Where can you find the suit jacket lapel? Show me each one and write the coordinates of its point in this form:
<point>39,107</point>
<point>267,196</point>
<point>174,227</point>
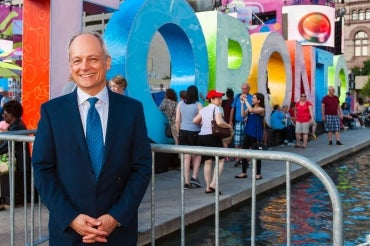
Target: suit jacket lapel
<point>113,123</point>
<point>76,125</point>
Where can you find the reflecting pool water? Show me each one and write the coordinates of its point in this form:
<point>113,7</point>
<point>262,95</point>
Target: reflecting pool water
<point>311,212</point>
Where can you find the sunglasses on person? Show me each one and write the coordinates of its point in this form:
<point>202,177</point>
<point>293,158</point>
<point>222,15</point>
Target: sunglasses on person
<point>303,95</point>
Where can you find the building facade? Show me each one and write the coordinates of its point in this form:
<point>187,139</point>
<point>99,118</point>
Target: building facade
<point>356,31</point>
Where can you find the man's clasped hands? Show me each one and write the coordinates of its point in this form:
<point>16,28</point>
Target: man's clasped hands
<point>94,230</point>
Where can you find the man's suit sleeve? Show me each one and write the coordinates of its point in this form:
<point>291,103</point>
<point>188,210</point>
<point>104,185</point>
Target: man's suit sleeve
<point>43,161</point>
<point>141,170</point>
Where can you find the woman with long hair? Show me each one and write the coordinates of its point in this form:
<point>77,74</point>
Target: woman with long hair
<point>254,128</point>
<point>226,106</point>
<point>168,107</point>
<point>188,134</point>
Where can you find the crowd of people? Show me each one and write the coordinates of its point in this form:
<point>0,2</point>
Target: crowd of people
<point>295,121</point>
<point>244,114</point>
<point>355,113</point>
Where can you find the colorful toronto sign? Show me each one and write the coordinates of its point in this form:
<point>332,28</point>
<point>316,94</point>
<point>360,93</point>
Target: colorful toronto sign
<point>207,49</point>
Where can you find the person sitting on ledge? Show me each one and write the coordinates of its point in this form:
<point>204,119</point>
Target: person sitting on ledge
<point>277,120</point>
<point>348,120</point>
<point>289,120</point>
<point>359,110</point>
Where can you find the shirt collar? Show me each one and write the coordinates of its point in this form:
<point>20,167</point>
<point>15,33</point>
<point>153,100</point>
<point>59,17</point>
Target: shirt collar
<point>102,96</point>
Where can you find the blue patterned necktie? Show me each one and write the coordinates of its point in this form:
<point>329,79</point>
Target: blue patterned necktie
<point>94,137</point>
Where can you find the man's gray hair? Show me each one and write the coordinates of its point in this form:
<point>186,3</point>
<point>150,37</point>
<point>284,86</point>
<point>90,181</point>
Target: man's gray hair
<point>95,34</point>
<point>247,84</point>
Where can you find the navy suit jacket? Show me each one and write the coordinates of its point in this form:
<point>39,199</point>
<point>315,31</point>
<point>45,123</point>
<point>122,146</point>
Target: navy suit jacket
<point>63,173</point>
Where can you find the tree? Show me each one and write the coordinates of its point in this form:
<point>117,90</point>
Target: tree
<point>356,70</point>
<point>365,91</point>
<point>366,68</point>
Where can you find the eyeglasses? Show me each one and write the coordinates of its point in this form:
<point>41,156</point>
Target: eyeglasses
<point>303,95</point>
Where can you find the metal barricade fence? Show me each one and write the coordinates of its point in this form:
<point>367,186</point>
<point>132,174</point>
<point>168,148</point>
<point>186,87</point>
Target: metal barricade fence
<point>31,225</point>
<point>254,155</point>
<point>315,169</point>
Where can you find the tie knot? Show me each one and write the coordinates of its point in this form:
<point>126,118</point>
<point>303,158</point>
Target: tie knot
<point>92,100</point>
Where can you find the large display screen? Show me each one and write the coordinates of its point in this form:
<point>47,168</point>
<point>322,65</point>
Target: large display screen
<point>257,16</point>
<point>310,24</point>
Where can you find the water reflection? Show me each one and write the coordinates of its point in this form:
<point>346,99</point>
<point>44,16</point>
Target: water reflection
<point>354,185</point>
<point>311,212</point>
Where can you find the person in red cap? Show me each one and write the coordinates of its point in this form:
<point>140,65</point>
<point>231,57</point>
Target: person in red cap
<point>206,138</point>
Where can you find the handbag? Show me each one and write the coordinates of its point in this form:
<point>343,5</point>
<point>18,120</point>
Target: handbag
<point>167,130</point>
<point>218,131</point>
<point>167,127</point>
<point>228,139</point>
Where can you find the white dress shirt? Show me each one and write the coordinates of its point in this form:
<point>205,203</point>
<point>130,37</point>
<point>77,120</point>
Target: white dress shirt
<point>102,106</point>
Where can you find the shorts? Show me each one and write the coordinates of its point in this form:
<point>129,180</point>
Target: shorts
<point>302,127</point>
<point>209,141</point>
<point>188,137</point>
<point>332,123</point>
<point>239,133</point>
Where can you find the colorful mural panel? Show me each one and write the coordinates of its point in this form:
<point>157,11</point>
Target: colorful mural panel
<point>36,59</point>
<point>10,21</point>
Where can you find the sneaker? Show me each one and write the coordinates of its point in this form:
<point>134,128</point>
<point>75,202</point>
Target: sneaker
<point>339,143</point>
<point>238,164</point>
<point>187,186</point>
<point>286,141</point>
<point>330,142</point>
<point>195,182</point>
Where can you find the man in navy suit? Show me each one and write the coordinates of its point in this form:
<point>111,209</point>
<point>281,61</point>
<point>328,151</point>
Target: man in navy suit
<point>86,207</point>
